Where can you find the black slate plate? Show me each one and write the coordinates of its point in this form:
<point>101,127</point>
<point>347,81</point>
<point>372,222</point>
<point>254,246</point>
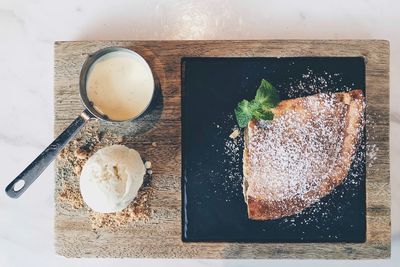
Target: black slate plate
<point>213,208</point>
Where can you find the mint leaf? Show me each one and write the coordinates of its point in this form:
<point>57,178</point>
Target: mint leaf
<point>263,115</point>
<point>243,113</point>
<point>254,105</point>
<point>267,95</point>
<point>260,107</point>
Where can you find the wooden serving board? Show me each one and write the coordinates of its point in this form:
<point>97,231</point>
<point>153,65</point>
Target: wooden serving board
<point>160,237</point>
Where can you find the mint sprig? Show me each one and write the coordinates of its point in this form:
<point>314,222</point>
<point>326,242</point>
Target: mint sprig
<point>260,107</point>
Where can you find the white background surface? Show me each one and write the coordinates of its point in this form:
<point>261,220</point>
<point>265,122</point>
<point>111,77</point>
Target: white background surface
<point>28,30</point>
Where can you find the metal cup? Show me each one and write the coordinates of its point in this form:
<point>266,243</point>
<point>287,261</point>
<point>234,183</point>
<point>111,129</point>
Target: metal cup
<point>21,183</point>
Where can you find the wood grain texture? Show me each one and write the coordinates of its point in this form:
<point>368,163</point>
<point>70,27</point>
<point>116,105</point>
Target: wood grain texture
<point>161,236</point>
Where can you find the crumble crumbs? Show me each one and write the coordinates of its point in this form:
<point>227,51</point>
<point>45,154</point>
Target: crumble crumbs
<point>69,167</point>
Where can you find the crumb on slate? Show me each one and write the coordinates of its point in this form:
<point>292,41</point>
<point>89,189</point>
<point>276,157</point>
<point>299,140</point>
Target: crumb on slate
<point>234,134</point>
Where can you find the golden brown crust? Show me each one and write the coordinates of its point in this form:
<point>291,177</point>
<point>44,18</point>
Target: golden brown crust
<point>259,209</point>
<point>266,209</point>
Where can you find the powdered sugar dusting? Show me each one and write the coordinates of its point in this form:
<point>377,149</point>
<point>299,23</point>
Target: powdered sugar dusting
<point>292,156</point>
<point>324,211</point>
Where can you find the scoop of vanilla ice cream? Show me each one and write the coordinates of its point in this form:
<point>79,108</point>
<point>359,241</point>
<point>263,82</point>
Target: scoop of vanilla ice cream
<point>111,178</point>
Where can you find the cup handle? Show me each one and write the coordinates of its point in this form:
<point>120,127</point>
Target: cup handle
<point>33,171</point>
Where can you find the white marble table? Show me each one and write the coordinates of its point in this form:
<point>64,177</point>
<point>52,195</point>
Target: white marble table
<point>28,30</point>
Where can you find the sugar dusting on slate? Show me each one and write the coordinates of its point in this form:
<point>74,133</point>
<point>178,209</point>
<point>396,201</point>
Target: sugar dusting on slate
<point>229,179</point>
<point>312,83</point>
<point>234,147</point>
